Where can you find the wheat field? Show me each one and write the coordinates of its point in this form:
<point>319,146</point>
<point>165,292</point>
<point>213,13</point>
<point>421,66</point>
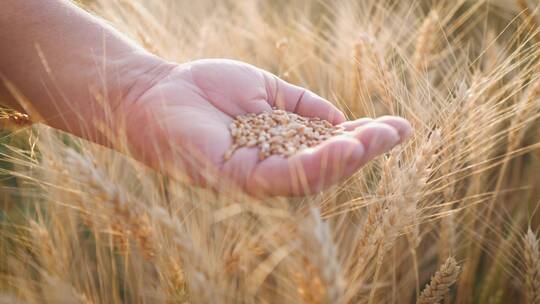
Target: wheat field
<point>448,217</point>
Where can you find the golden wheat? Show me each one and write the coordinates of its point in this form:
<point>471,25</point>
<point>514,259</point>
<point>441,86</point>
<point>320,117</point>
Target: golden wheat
<point>83,224</point>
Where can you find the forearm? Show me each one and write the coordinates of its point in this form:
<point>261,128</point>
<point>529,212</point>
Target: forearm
<point>71,66</point>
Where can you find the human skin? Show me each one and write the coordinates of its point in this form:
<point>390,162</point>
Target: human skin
<point>72,67</point>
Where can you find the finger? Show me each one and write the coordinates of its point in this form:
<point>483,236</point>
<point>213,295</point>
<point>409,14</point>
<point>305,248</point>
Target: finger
<point>303,102</point>
<point>377,138</point>
<point>353,124</point>
<point>401,125</point>
<point>308,171</point>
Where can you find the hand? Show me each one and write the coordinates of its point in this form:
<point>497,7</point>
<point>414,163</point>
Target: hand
<point>184,118</point>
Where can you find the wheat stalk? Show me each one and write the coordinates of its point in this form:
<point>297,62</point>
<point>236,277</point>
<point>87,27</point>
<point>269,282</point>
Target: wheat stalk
<point>447,235</point>
<point>525,109</point>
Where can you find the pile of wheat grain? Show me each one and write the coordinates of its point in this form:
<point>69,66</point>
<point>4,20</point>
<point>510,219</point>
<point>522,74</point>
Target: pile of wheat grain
<point>279,133</point>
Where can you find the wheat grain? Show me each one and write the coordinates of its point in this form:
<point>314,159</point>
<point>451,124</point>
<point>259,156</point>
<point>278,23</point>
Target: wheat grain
<point>278,133</point>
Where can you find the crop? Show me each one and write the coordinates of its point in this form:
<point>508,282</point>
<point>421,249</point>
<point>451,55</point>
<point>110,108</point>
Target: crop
<point>450,216</point>
<point>440,283</point>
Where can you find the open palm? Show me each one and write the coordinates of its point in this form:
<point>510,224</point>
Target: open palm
<point>184,118</point>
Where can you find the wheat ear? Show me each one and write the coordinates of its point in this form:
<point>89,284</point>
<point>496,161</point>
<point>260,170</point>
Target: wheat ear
<point>138,216</point>
<point>426,41</point>
<point>532,264</point>
<point>9,299</point>
<point>530,18</point>
<point>12,120</point>
<point>440,283</point>
<point>131,216</point>
<point>324,255</point>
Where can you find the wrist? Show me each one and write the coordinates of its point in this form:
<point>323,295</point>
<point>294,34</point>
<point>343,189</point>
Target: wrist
<point>128,77</point>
